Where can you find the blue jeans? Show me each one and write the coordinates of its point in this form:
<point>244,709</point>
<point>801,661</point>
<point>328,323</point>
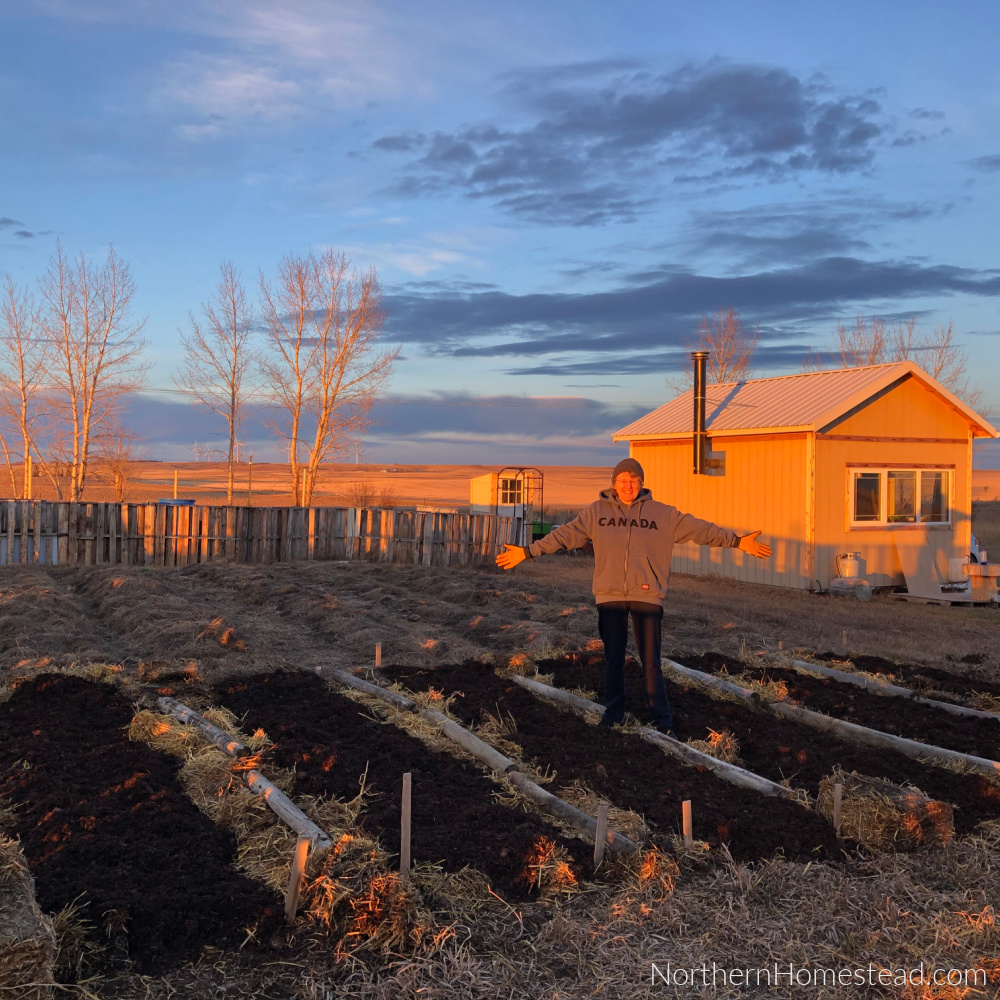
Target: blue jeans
<point>612,623</point>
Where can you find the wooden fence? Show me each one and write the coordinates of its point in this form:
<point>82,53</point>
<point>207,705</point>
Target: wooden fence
<point>95,534</point>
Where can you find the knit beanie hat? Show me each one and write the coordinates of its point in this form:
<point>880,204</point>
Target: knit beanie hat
<point>629,465</point>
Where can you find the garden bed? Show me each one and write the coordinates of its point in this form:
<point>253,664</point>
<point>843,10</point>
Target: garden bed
<point>331,742</point>
<point>780,749</point>
<point>923,678</point>
<point>897,715</point>
<point>104,824</point>
<point>629,772</point>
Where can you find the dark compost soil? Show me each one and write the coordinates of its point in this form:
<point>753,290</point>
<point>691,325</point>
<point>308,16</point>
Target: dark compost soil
<point>103,819</point>
<point>778,748</point>
<point>630,772</point>
<point>922,678</point>
<point>896,715</point>
<point>331,741</point>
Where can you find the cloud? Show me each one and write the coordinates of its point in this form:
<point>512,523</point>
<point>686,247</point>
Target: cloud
<point>24,234</point>
<point>988,164</point>
<point>602,139</point>
<point>640,324</point>
<point>226,87</point>
<point>442,427</point>
<point>456,427</point>
<point>780,232</point>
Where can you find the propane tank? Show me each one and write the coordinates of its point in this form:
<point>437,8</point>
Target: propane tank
<point>849,565</point>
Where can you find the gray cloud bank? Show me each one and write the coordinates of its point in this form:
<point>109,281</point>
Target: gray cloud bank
<point>645,322</point>
<point>602,137</point>
<point>440,428</point>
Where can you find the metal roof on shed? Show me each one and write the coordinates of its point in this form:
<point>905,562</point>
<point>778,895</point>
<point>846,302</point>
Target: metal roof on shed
<point>806,401</point>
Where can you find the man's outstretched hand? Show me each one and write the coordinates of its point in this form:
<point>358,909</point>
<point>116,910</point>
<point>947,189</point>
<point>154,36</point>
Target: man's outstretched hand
<point>512,555</point>
<point>750,545</point>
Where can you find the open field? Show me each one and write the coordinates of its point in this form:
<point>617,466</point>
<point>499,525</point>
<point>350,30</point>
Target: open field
<point>567,487</point>
<point>504,901</point>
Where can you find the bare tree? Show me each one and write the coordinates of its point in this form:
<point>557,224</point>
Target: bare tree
<point>219,358</point>
<point>122,451</point>
<point>96,345</point>
<point>949,364</point>
<point>326,365</point>
<point>24,358</point>
<point>731,344</point>
<point>731,348</point>
<point>874,341</point>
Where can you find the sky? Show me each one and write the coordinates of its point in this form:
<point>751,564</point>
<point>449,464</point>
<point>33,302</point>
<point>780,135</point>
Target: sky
<point>553,194</point>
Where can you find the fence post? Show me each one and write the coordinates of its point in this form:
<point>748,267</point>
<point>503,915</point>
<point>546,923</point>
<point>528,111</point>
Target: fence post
<point>38,511</point>
<point>25,506</point>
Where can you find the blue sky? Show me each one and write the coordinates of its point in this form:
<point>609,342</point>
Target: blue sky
<point>552,193</point>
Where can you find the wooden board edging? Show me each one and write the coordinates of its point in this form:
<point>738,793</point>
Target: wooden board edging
<point>281,805</point>
<point>561,809</point>
<point>226,743</point>
<point>502,765</point>
<point>376,690</point>
<point>689,755</point>
<point>884,687</point>
<point>847,730</point>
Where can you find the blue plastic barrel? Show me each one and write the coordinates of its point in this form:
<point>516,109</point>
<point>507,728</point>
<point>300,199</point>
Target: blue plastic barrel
<point>176,503</point>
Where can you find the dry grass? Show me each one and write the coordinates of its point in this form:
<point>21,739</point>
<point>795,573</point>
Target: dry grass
<point>886,817</point>
<point>350,898</point>
<point>722,745</point>
<point>551,871</point>
<point>27,937</point>
<point>932,905</point>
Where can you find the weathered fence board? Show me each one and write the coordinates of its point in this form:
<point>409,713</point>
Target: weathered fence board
<point>34,532</point>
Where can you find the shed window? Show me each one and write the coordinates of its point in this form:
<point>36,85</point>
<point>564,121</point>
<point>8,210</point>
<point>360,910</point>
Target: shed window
<point>900,496</point>
<point>867,496</point>
<point>510,491</point>
<point>934,496</point>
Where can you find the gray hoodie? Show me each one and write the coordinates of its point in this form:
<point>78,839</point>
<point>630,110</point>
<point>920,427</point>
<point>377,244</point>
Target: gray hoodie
<point>633,544</point>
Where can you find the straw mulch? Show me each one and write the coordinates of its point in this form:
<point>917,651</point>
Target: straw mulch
<point>27,937</point>
<point>351,902</point>
<point>552,875</point>
<point>884,816</point>
<point>722,745</point>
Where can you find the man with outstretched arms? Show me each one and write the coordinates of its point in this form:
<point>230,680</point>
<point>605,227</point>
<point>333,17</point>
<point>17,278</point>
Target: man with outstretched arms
<point>633,537</point>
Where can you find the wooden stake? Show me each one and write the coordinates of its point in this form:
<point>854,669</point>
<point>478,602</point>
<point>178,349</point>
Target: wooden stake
<point>302,496</point>
<point>378,654</point>
<point>600,840</point>
<point>843,640</point>
<point>175,484</point>
<point>295,879</point>
<point>404,829</point>
<point>250,484</point>
<point>688,826</point>
<point>27,476</point>
<point>838,798</point>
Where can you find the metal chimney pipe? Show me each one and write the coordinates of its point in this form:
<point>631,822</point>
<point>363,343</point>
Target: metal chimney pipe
<point>700,359</point>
